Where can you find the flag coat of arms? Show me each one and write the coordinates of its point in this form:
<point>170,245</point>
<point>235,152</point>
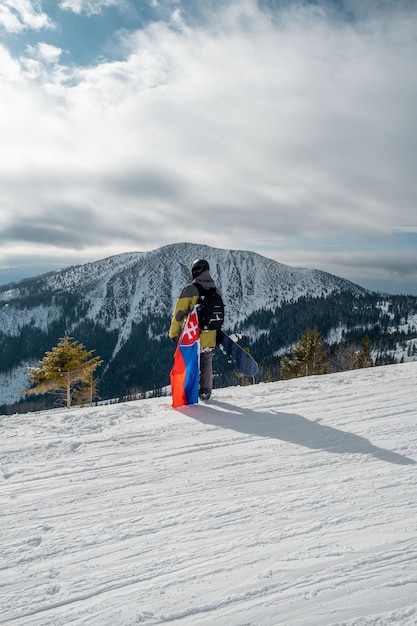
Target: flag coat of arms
<point>186,370</point>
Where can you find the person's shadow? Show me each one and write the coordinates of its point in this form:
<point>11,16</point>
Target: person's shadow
<point>290,427</point>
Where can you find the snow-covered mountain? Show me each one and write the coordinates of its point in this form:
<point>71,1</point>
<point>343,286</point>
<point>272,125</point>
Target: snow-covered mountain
<point>282,504</point>
<point>128,287</point>
<point>121,307</point>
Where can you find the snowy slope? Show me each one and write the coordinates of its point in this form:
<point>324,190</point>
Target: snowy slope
<point>283,504</point>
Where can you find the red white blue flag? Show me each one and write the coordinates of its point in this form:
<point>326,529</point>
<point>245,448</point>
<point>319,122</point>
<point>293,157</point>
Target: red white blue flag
<point>186,370</point>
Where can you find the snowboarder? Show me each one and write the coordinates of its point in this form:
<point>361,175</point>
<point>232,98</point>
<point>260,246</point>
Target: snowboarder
<point>189,297</point>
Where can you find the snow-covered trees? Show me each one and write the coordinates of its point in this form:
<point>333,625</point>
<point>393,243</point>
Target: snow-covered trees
<point>309,357</point>
<point>68,366</point>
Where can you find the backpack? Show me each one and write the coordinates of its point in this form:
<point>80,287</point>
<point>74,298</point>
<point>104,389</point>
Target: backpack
<point>210,308</point>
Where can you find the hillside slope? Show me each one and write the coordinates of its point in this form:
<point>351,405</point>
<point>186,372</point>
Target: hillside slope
<point>290,504</point>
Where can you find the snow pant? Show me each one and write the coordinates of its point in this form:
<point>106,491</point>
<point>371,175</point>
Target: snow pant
<point>206,369</point>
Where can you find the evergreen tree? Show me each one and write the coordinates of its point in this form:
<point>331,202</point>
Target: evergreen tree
<point>364,358</point>
<point>65,366</point>
<point>87,392</point>
<point>309,357</point>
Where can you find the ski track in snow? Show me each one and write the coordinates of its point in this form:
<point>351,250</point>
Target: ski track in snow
<point>281,504</point>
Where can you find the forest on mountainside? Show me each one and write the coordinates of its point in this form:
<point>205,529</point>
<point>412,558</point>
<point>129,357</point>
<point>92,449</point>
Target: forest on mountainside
<point>144,361</point>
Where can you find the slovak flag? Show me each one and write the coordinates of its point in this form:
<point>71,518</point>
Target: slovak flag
<point>186,370</point>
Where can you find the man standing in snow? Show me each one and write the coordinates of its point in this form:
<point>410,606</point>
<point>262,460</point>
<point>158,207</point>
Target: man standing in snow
<point>189,297</point>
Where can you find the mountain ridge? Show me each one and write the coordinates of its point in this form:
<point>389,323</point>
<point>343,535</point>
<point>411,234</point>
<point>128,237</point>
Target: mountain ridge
<point>238,273</point>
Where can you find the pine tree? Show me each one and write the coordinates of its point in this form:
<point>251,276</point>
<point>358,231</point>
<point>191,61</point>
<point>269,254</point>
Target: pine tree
<point>309,357</point>
<point>87,392</point>
<point>65,366</point>
<point>364,358</point>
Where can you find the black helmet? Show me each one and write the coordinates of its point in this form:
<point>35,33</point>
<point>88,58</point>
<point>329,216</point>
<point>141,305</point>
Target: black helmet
<point>199,266</point>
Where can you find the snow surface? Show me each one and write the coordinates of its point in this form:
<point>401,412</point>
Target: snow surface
<point>286,504</point>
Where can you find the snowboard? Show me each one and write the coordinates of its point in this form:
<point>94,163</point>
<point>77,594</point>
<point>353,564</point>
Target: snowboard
<point>235,354</point>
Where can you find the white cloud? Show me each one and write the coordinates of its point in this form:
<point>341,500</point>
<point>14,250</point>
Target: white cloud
<point>46,52</point>
<point>41,64</point>
<point>19,15</point>
<point>90,7</point>
<point>10,70</point>
<point>270,125</point>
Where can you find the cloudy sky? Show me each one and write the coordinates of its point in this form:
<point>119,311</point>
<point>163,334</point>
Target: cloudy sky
<point>279,126</point>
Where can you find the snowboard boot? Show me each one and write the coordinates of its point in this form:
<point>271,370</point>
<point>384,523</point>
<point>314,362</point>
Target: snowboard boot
<point>204,395</point>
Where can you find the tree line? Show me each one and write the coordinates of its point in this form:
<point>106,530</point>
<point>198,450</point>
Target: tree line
<point>143,362</point>
<point>68,370</point>
<point>310,357</point>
